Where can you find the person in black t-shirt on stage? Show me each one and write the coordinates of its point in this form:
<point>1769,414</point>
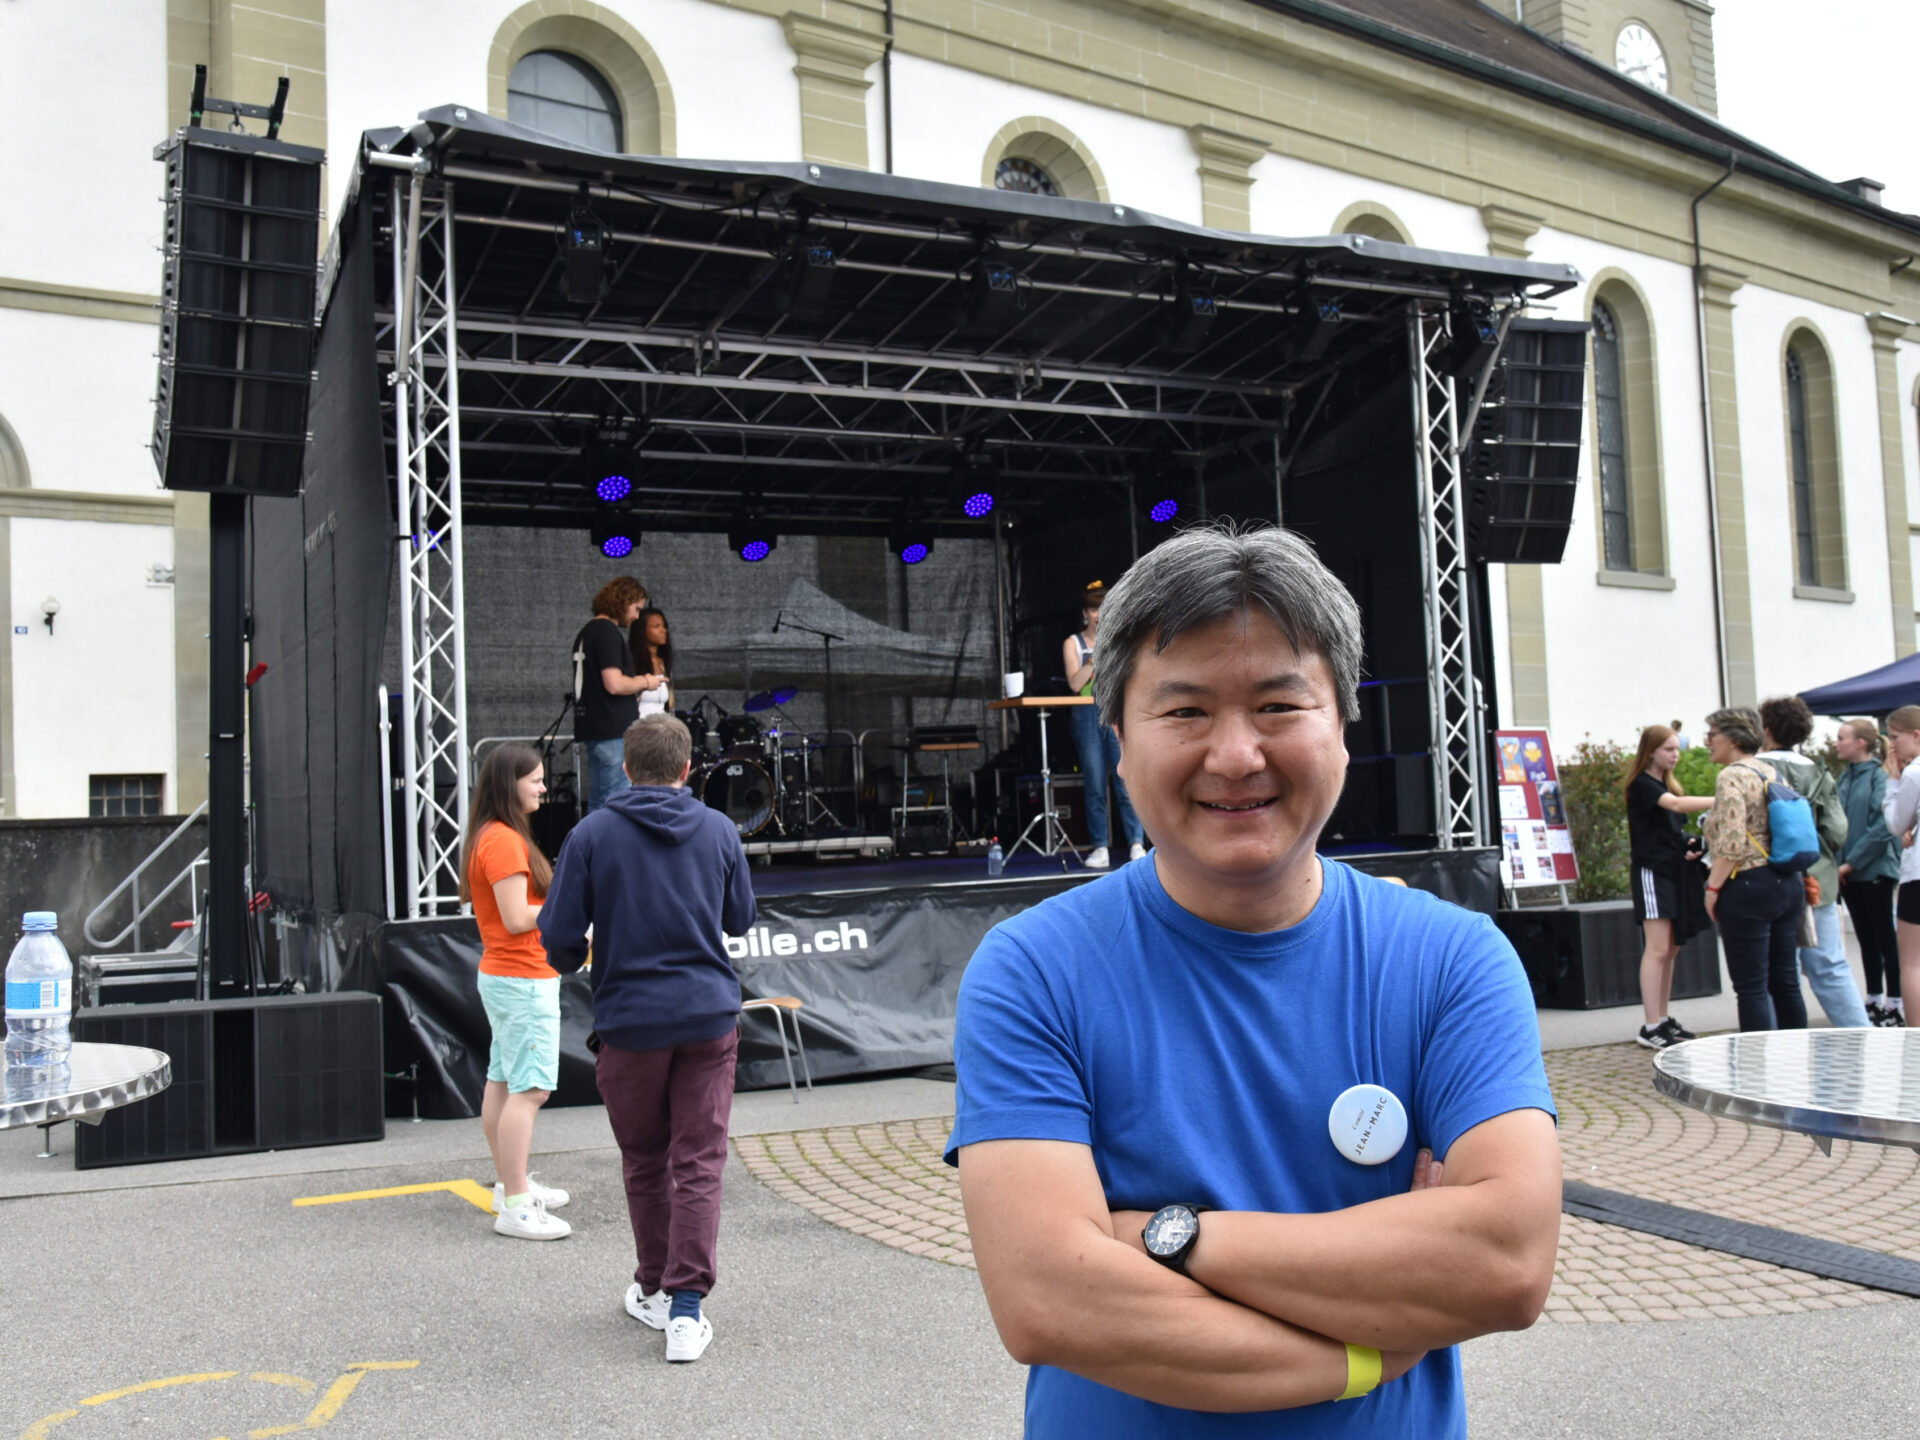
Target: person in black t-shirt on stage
<point>1664,876</point>
<point>605,689</point>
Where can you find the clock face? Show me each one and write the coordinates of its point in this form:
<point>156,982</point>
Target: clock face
<point>1637,55</point>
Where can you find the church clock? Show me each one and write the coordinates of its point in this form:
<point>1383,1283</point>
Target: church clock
<point>1637,55</point>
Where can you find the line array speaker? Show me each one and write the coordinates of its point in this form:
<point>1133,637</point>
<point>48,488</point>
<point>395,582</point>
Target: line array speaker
<point>1523,467</point>
<point>237,312</point>
<point>272,1073</point>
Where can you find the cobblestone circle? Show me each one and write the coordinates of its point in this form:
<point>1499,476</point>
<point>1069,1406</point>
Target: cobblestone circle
<point>889,1183</point>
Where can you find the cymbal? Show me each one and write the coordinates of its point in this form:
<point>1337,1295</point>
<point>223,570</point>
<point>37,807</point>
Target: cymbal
<point>767,699</point>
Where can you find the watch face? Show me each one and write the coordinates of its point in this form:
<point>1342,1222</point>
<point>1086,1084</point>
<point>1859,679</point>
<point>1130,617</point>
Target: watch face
<point>1171,1228</point>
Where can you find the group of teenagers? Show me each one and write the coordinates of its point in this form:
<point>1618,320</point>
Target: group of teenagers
<point>641,895</point>
<point>1777,923</point>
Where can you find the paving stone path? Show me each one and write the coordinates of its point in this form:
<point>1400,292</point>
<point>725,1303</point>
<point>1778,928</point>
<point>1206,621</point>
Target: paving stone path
<point>888,1182</point>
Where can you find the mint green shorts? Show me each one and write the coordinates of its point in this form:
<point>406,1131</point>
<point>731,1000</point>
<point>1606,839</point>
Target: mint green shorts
<point>524,1016</point>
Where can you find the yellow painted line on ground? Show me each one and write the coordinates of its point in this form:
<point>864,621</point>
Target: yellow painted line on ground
<point>322,1414</point>
<point>470,1191</point>
<point>171,1380</point>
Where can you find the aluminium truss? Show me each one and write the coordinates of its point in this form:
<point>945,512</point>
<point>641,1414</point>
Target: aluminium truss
<point>426,382</point>
<point>1453,692</point>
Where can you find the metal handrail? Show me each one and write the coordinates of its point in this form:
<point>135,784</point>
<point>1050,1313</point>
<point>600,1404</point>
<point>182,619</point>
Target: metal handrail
<point>140,912</point>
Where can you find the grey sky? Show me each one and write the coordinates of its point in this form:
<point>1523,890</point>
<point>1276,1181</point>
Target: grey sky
<point>1828,85</point>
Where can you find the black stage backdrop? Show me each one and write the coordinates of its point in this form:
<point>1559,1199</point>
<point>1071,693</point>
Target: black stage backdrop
<point>316,560</point>
<point>877,971</point>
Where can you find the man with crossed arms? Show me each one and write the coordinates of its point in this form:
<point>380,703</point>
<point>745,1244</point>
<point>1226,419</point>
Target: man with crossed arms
<point>1177,1225</point>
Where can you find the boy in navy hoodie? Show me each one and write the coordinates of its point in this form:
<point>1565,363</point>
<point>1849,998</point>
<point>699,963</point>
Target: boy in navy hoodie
<point>660,876</point>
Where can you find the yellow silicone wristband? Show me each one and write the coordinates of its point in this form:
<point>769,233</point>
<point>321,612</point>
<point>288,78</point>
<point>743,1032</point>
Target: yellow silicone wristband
<point>1363,1371</point>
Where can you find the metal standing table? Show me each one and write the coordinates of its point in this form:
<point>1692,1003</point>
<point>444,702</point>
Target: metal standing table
<point>99,1078</point>
<point>1053,835</point>
<point>1826,1084</point>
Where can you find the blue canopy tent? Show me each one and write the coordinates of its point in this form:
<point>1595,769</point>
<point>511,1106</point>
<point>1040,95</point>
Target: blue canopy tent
<point>1874,693</point>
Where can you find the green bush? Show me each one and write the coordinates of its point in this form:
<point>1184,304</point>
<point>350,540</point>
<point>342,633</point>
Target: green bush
<point>1696,773</point>
<point>1591,782</point>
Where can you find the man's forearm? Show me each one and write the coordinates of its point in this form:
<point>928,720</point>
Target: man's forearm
<point>1415,1272</point>
<point>1115,1317</point>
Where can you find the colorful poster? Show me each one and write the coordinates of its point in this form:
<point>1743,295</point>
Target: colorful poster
<point>1536,843</point>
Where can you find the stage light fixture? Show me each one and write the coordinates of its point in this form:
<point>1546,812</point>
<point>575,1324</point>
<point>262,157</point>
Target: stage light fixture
<point>1192,313</point>
<point>910,541</point>
<point>989,296</point>
<point>751,540</point>
<point>810,277</point>
<point>978,505</point>
<point>612,488</point>
<point>973,483</point>
<point>1316,326</point>
<point>583,277</point>
<point>1163,511</point>
<point>616,534</point>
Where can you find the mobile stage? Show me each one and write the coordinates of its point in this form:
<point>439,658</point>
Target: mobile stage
<point>839,365</point>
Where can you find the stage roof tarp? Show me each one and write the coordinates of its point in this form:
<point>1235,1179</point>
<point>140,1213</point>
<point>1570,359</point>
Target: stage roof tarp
<point>823,345</point>
<point>1874,693</point>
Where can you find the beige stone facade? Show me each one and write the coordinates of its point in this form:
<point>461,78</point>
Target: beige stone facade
<point>1225,111</point>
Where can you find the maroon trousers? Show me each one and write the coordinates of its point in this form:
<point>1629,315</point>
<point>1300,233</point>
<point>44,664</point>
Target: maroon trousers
<point>669,1111</point>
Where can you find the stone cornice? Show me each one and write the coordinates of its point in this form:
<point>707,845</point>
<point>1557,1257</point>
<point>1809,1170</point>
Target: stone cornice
<point>1888,330</point>
<point>16,294</point>
<point>105,507</point>
<point>832,52</point>
<point>1509,231</point>
<point>1719,284</point>
<point>1224,153</point>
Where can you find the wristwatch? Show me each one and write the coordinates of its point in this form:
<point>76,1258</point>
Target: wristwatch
<point>1171,1233</point>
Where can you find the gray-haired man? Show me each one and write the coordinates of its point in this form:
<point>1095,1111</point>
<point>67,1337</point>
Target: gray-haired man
<point>1235,1059</point>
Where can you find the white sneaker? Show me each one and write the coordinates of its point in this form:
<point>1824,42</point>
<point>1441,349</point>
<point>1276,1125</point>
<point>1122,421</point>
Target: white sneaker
<point>1136,851</point>
<point>548,1195</point>
<point>650,1310</point>
<point>530,1221</point>
<point>688,1339</point>
<point>1097,859</point>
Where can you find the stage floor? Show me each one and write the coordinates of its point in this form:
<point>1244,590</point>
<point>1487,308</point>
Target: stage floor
<point>831,877</point>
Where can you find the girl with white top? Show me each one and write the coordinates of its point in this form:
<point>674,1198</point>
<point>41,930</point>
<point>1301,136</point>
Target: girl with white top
<point>1902,808</point>
<point>653,656</point>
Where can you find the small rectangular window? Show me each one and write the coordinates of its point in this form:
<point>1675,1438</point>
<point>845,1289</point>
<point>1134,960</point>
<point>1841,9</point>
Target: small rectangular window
<point>113,796</point>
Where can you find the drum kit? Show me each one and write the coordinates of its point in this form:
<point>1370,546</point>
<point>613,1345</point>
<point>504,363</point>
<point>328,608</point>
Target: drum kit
<point>756,767</point>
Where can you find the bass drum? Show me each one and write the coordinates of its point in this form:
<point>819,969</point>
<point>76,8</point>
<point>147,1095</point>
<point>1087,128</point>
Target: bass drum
<point>741,790</point>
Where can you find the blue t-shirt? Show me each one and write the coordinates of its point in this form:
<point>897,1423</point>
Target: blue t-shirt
<point>1200,1065</point>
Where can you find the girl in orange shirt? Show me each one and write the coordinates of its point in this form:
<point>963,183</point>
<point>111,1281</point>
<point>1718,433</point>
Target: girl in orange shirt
<point>505,877</point>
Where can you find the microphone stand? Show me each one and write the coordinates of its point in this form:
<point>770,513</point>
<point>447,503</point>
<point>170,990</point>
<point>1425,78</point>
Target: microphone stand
<point>827,638</point>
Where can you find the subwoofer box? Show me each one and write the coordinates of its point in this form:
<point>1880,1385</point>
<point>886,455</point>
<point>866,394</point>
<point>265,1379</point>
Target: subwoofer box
<point>1587,957</point>
<point>274,1073</point>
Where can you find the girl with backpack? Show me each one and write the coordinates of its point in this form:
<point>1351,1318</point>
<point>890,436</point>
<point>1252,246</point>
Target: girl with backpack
<point>1756,906</point>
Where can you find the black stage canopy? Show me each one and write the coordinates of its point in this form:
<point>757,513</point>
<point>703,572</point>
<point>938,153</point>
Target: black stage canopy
<point>828,347</point>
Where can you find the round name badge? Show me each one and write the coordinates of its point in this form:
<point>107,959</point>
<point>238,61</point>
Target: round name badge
<point>1368,1124</point>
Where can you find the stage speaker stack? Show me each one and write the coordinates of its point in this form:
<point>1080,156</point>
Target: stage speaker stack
<point>274,1073</point>
<point>1523,463</point>
<point>237,312</point>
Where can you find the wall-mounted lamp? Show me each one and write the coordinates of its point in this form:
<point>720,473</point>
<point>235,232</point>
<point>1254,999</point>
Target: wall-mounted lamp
<point>49,608</point>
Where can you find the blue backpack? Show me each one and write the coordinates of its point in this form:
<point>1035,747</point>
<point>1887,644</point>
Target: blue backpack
<point>1796,843</point>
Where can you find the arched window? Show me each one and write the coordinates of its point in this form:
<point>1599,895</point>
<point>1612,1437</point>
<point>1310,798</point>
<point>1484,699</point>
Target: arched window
<point>1626,437</point>
<point>566,97</point>
<point>1800,455</point>
<point>1023,177</point>
<point>1610,440</point>
<point>1037,156</point>
<point>1813,465</point>
<point>1375,221</point>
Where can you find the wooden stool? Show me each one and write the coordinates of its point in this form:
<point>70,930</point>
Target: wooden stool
<point>777,1004</point>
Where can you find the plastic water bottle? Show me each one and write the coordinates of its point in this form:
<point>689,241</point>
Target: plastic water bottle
<point>39,1002</point>
<point>996,862</point>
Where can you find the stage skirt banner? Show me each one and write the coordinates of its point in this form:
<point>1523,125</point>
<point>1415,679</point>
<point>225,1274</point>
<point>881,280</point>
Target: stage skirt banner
<point>877,973</point>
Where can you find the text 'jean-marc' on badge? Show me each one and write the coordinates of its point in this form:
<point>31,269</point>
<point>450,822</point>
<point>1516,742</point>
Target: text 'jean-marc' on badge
<point>1368,1124</point>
